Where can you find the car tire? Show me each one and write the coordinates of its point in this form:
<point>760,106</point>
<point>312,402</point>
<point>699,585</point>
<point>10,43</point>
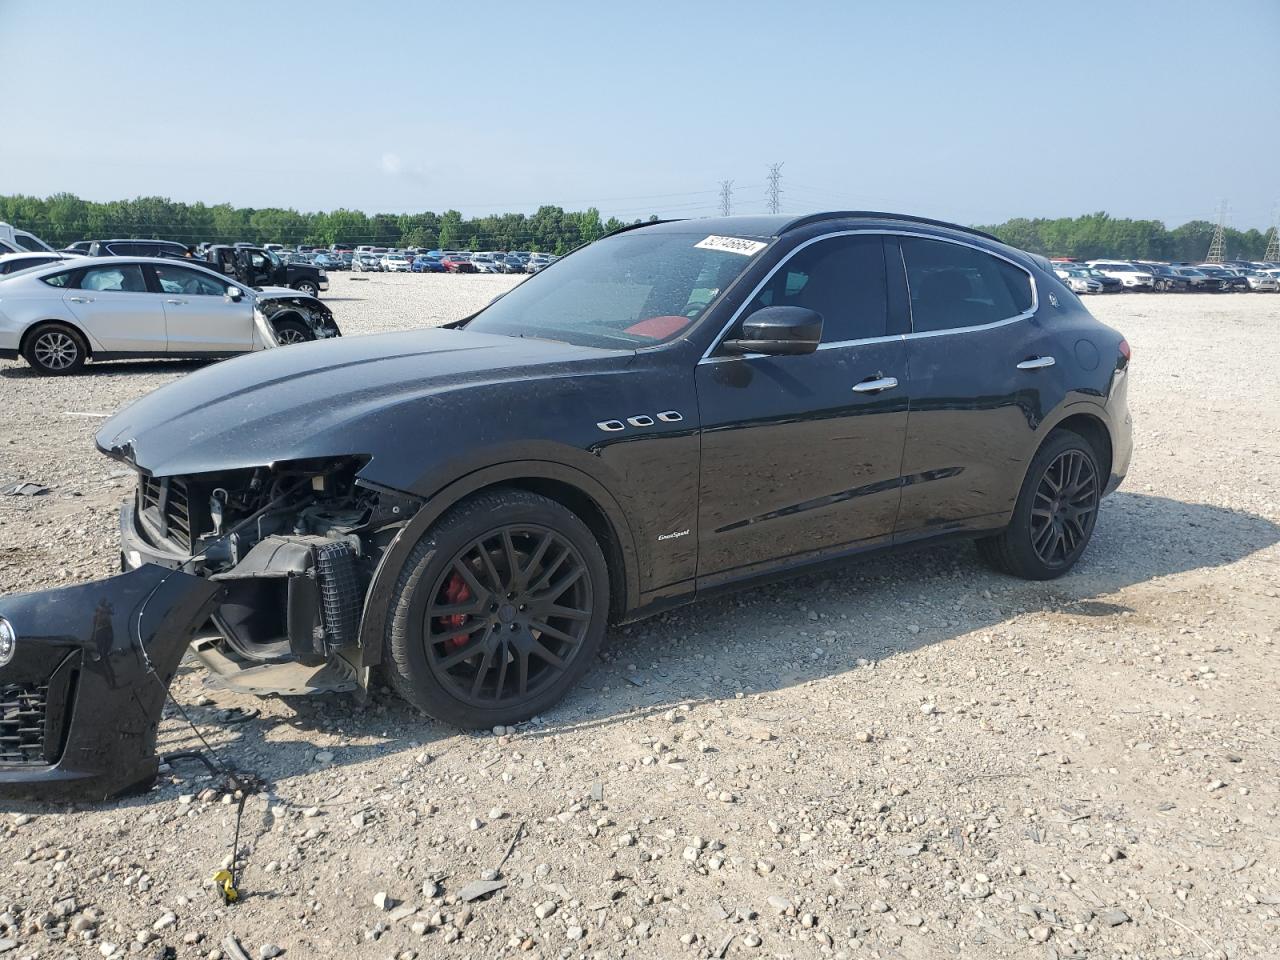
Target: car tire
<point>512,622</point>
<point>308,288</point>
<point>55,350</point>
<point>1050,529</point>
<point>290,331</point>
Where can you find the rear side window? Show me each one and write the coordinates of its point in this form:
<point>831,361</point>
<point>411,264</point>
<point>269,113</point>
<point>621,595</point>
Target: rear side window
<point>842,278</point>
<point>125,278</point>
<point>59,279</point>
<point>954,286</point>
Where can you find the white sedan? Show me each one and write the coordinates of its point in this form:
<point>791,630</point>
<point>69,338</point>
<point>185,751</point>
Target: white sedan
<point>110,308</point>
<point>395,263</point>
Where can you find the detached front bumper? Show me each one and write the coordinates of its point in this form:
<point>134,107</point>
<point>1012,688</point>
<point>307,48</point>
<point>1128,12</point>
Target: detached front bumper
<point>80,703</point>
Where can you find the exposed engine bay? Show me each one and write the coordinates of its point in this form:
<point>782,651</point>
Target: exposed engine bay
<point>292,548</point>
<point>274,314</point>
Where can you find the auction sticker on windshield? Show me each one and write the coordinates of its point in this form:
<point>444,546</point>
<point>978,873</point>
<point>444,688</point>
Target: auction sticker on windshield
<point>748,248</point>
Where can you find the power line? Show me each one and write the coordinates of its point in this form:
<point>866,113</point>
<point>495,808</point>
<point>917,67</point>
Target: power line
<point>1218,245</point>
<point>726,197</point>
<point>775,188</point>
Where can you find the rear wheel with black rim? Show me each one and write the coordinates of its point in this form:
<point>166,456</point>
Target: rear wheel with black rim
<point>1055,512</point>
<point>498,610</point>
<point>55,350</point>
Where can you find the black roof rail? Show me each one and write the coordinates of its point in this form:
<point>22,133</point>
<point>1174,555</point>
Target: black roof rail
<point>879,215</point>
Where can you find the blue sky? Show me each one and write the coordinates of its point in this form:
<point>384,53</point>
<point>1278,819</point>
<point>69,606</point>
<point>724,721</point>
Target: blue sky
<point>974,112</point>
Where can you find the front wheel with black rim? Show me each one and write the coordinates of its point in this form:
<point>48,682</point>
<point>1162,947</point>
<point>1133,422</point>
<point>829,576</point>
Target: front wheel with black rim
<point>498,610</point>
<point>290,331</point>
<point>55,350</point>
<point>1055,512</point>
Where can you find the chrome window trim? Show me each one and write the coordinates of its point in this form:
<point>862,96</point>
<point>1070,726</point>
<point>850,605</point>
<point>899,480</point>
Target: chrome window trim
<point>1035,295</point>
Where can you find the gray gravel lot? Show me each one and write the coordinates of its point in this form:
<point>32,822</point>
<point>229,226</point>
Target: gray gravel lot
<point>914,757</point>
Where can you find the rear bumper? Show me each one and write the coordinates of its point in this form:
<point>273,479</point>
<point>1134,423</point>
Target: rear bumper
<point>82,701</point>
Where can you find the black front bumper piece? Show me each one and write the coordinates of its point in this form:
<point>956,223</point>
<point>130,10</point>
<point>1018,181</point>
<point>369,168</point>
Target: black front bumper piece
<point>79,704</point>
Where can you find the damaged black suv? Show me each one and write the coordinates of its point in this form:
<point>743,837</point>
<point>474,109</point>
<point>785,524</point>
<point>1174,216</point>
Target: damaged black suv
<point>678,408</point>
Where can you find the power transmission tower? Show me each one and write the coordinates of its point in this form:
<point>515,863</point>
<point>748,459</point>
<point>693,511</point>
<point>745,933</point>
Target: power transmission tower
<point>1218,245</point>
<point>726,197</point>
<point>1273,245</point>
<point>775,189</point>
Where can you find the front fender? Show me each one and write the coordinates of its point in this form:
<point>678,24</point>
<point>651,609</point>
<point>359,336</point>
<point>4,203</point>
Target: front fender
<point>377,601</point>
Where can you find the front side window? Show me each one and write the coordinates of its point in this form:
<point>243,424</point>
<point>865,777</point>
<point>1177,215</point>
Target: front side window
<point>955,286</point>
<point>631,290</point>
<point>125,278</point>
<point>842,278</point>
<point>190,282</point>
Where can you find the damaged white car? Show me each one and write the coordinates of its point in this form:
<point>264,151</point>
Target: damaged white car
<point>111,308</point>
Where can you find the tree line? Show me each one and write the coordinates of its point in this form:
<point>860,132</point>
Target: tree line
<point>64,218</point>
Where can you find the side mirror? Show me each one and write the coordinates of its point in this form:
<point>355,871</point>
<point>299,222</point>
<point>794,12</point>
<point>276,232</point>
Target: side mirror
<point>778,331</point>
<point>234,293</point>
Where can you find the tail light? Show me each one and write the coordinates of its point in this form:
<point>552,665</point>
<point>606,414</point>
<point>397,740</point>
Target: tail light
<point>1125,351</point>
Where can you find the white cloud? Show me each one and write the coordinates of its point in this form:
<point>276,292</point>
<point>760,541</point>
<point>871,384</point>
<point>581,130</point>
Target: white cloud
<point>391,163</point>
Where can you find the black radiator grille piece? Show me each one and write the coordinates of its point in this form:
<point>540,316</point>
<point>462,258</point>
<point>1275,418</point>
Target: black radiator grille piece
<point>339,593</point>
<point>22,722</point>
<point>165,503</point>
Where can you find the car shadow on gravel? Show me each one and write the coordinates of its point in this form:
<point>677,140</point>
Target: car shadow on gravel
<point>118,367</point>
<point>767,638</point>
<point>764,638</point>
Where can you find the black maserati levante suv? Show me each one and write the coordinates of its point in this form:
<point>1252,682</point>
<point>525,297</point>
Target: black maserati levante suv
<point>678,408</point>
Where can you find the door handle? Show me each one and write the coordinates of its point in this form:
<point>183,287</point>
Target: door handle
<point>1036,363</point>
<point>175,301</point>
<point>81,299</point>
<point>875,385</point>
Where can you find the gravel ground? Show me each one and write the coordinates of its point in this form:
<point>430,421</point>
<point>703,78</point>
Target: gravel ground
<point>909,758</point>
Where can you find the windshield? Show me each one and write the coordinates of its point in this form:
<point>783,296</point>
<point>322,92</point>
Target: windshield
<point>632,290</point>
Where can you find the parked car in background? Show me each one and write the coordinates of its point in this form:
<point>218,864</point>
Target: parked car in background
<point>260,268</point>
<point>366,262</point>
<point>1198,281</point>
<point>427,264</point>
<point>1079,281</point>
<point>14,262</point>
<point>457,263</point>
<point>13,240</point>
<point>1259,281</point>
<point>109,308</point>
<point>1164,279</point>
<point>514,263</point>
<point>1228,281</point>
<point>537,262</point>
<point>328,261</point>
<point>1131,277</point>
<point>138,248</point>
<point>395,263</point>
<point>80,248</point>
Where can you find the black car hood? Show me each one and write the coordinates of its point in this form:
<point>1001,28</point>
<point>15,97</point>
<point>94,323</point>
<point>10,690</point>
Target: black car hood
<point>349,396</point>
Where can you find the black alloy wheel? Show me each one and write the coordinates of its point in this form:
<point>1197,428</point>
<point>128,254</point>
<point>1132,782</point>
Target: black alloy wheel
<point>1055,512</point>
<point>507,615</point>
<point>498,610</point>
<point>1066,502</point>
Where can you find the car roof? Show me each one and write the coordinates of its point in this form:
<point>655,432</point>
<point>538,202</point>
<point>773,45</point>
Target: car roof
<point>775,225</point>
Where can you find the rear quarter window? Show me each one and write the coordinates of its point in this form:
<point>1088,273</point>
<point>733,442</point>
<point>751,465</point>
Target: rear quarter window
<point>955,286</point>
<point>59,279</point>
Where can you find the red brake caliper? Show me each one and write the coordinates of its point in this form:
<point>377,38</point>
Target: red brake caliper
<point>455,591</point>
